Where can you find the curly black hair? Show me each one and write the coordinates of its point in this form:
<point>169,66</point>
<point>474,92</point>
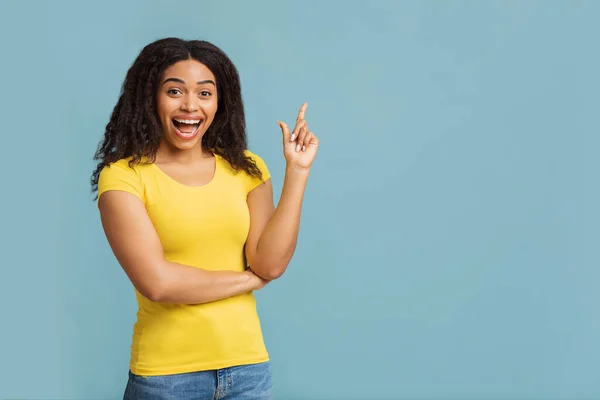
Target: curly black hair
<point>134,129</point>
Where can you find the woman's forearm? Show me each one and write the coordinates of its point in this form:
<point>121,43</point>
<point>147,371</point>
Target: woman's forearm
<point>183,284</point>
<point>278,241</point>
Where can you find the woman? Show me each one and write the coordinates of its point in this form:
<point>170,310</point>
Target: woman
<point>188,212</point>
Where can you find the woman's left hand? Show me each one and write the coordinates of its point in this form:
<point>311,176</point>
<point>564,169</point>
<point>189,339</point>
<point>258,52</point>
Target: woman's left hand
<point>299,148</point>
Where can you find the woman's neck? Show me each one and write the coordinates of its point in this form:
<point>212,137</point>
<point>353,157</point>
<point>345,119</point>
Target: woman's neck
<point>168,153</point>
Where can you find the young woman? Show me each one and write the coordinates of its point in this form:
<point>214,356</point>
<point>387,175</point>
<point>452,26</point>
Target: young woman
<point>188,212</point>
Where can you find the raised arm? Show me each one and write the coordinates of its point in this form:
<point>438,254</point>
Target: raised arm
<point>274,231</point>
<point>138,249</point>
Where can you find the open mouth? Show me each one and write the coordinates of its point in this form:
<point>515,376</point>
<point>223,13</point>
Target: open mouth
<point>187,128</point>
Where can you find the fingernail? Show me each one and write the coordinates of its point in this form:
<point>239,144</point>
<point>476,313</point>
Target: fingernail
<point>303,148</point>
<point>293,137</point>
<point>297,148</point>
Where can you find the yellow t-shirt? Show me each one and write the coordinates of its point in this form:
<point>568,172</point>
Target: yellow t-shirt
<point>205,227</point>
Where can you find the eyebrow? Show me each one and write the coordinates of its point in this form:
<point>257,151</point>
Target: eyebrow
<point>183,82</point>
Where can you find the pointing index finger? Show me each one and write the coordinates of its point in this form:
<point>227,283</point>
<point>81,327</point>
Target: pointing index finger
<point>302,112</point>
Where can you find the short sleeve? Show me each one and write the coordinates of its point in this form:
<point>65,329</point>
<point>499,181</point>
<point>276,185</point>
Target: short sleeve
<point>262,166</point>
<point>120,176</point>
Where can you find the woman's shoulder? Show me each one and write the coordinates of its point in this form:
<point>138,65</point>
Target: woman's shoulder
<point>253,157</point>
<point>254,180</point>
<point>127,164</point>
<point>124,168</point>
<point>124,175</point>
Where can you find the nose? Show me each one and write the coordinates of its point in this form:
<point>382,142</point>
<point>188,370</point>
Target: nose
<point>190,103</point>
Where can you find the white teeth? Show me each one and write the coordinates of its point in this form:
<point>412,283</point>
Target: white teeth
<point>188,134</point>
<point>188,121</point>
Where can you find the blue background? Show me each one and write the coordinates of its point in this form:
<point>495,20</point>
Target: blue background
<point>449,242</point>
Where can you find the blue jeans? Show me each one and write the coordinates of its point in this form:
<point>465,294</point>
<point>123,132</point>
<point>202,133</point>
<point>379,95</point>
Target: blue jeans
<point>245,382</point>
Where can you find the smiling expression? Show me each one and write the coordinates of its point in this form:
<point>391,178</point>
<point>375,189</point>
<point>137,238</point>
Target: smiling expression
<point>186,103</point>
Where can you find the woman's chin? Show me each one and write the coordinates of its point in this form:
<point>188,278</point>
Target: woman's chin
<point>176,143</point>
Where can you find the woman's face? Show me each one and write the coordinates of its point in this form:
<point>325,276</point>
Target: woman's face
<point>186,103</point>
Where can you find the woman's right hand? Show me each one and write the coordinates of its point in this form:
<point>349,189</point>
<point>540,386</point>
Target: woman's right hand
<point>258,282</point>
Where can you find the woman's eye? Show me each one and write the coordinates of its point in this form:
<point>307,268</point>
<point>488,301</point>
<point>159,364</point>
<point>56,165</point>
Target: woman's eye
<point>204,93</point>
<point>173,91</point>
